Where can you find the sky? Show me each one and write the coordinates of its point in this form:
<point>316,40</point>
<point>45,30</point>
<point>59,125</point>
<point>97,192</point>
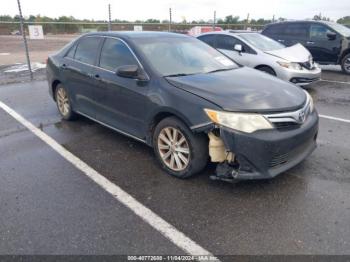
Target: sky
<point>182,9</point>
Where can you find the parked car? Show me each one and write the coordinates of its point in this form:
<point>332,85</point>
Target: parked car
<point>187,101</point>
<point>328,42</point>
<point>252,49</point>
<point>197,30</point>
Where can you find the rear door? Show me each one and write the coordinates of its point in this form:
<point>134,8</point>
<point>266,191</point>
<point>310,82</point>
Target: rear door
<point>77,67</point>
<point>276,32</point>
<point>121,101</point>
<point>226,43</point>
<point>322,48</point>
<point>295,33</point>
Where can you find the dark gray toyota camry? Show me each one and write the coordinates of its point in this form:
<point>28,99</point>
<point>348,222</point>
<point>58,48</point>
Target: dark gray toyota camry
<point>186,100</point>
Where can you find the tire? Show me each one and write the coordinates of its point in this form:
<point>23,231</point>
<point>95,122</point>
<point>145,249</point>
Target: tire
<point>267,69</point>
<point>195,144</point>
<point>63,103</point>
<point>345,64</point>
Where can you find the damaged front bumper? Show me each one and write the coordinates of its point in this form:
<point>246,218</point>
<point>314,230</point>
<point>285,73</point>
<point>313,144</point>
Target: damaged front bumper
<point>266,153</point>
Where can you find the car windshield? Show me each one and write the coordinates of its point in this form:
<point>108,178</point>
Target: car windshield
<point>172,56</point>
<point>343,30</point>
<point>261,42</point>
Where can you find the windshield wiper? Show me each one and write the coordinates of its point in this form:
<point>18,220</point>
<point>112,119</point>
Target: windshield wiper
<point>180,74</point>
<point>219,70</point>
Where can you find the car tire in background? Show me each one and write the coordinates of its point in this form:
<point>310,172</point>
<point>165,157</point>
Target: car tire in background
<point>180,152</point>
<point>345,64</point>
<point>63,103</point>
<point>267,69</point>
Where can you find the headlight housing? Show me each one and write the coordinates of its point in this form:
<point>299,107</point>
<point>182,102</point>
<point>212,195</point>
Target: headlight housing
<point>311,102</point>
<point>244,122</point>
<point>290,65</point>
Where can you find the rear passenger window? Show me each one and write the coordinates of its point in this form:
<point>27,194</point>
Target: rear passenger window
<point>114,54</point>
<point>297,30</point>
<point>87,50</point>
<point>208,39</point>
<point>71,52</point>
<point>276,29</point>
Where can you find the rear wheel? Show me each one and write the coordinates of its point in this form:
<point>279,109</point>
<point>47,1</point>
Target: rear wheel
<point>180,152</point>
<point>345,65</point>
<point>63,103</point>
<point>267,69</point>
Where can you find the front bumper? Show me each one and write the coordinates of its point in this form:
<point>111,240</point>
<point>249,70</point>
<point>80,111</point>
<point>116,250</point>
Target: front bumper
<point>267,153</point>
<point>300,77</point>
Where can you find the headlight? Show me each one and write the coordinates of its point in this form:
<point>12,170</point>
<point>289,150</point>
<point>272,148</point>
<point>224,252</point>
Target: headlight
<point>290,65</point>
<point>311,102</point>
<point>244,122</point>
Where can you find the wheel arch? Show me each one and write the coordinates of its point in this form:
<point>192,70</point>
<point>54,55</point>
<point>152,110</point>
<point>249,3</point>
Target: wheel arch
<point>54,85</point>
<point>345,52</point>
<point>159,116</point>
<point>258,67</point>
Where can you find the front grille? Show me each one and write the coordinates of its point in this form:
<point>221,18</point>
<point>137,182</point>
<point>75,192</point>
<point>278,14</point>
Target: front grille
<point>286,125</point>
<point>280,159</point>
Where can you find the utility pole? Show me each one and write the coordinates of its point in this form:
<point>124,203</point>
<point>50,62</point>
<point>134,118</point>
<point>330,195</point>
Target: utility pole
<point>247,22</point>
<point>273,19</point>
<point>214,21</point>
<point>24,39</point>
<point>170,19</point>
<point>109,18</point>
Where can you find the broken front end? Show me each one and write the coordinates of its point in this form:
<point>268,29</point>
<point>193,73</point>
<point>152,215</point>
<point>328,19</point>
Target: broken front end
<point>261,154</point>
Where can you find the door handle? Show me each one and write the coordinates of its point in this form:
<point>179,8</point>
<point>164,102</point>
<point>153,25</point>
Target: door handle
<point>280,40</point>
<point>310,42</point>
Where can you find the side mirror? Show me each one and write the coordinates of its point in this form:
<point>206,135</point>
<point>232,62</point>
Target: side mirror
<point>238,48</point>
<point>331,35</point>
<point>132,71</point>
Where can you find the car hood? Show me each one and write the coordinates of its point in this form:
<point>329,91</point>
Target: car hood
<point>296,53</point>
<point>243,89</point>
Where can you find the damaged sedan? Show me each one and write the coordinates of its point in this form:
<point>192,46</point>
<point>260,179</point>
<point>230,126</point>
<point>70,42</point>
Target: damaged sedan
<point>186,100</point>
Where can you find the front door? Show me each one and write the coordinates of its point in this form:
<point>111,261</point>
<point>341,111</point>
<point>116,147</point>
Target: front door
<point>322,48</point>
<point>121,101</point>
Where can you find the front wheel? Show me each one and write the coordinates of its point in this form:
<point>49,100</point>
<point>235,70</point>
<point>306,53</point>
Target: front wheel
<point>63,103</point>
<point>345,65</point>
<point>180,152</point>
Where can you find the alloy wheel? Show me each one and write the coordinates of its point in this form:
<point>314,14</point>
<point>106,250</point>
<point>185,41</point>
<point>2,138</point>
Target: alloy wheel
<point>347,65</point>
<point>63,101</point>
<point>173,148</point>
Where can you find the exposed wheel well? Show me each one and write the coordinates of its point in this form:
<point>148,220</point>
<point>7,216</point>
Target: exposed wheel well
<point>156,119</point>
<point>346,52</point>
<point>53,86</point>
<point>262,66</point>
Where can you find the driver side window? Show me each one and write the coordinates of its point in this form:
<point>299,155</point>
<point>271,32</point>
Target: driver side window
<point>227,42</point>
<point>318,32</point>
<point>115,54</point>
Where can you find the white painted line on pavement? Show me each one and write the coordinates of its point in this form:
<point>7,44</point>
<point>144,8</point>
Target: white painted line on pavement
<point>159,224</point>
<point>334,81</point>
<point>335,118</point>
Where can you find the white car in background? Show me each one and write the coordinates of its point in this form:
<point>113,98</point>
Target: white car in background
<point>294,64</point>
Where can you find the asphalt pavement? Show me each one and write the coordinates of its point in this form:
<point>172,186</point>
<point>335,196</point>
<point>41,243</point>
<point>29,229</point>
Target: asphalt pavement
<point>48,206</point>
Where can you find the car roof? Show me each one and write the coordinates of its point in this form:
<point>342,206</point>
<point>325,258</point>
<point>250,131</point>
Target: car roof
<point>302,21</point>
<point>230,32</point>
<point>136,34</point>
